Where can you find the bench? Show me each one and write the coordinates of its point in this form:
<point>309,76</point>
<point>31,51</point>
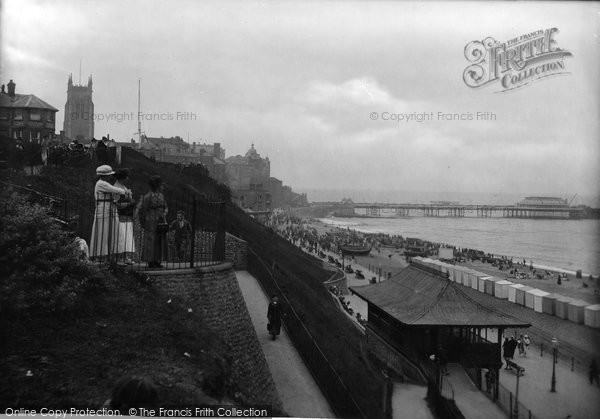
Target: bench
<point>518,369</point>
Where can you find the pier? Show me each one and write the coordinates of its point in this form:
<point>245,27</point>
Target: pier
<point>380,210</point>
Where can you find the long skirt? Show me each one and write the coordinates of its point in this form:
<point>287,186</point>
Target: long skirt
<point>105,231</point>
<point>126,239</point>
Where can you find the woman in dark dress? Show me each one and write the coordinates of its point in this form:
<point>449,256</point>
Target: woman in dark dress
<point>151,211</point>
<point>274,317</point>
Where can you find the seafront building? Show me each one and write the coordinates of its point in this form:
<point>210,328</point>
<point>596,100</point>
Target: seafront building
<point>25,116</point>
<point>176,150</point>
<point>249,177</point>
<point>252,186</point>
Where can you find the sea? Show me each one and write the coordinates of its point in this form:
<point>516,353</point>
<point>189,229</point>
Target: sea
<point>567,245</point>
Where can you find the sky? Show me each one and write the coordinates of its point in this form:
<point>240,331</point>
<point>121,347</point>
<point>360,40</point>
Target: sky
<point>319,87</point>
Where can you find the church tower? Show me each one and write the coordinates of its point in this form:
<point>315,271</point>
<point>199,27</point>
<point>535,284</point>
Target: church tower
<point>79,111</point>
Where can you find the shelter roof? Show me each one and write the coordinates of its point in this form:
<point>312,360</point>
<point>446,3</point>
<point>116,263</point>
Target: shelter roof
<point>422,296</point>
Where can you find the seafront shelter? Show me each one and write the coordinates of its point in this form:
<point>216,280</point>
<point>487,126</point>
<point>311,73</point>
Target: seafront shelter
<point>420,311</point>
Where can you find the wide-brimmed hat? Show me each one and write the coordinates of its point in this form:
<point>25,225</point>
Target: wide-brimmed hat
<point>104,170</point>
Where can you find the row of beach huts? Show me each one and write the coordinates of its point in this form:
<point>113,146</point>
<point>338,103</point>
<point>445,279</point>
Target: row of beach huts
<point>577,311</point>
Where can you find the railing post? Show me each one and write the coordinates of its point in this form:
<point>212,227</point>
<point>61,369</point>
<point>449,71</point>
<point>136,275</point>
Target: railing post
<point>219,247</point>
<point>193,240</point>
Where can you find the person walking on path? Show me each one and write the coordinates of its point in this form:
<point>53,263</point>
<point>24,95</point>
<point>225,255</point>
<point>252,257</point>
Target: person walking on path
<point>151,211</point>
<point>182,233</point>
<point>527,342</point>
<point>512,346</point>
<point>505,351</point>
<point>274,317</point>
<point>521,346</point>
<point>490,380</point>
<point>105,229</point>
<point>125,209</point>
<point>594,373</point>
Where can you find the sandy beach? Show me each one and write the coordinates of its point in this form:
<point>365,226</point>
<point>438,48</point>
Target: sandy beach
<point>392,260</point>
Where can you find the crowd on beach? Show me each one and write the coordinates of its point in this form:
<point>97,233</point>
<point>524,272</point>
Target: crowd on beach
<point>305,233</point>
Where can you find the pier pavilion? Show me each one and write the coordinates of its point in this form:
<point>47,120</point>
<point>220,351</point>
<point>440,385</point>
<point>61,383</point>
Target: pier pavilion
<point>419,312</point>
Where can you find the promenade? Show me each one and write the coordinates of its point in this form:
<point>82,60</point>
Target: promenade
<point>298,391</point>
<point>574,396</point>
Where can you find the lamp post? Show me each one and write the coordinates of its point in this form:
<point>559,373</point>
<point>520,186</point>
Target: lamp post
<point>554,351</point>
<point>516,410</point>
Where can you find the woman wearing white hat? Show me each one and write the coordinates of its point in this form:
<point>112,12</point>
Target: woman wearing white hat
<point>105,230</point>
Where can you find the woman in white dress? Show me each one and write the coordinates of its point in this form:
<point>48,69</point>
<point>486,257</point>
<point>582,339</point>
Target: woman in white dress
<point>105,230</point>
<point>125,209</point>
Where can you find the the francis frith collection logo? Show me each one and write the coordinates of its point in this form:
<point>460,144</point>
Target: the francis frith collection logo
<point>516,62</point>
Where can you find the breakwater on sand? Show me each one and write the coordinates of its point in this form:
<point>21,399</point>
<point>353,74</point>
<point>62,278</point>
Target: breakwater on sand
<point>567,245</point>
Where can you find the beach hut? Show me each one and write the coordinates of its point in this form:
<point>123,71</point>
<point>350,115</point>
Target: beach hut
<point>562,307</point>
<point>481,283</point>
<point>591,316</point>
<point>512,292</point>
<point>479,275</point>
<point>490,285</point>
<point>466,279</point>
<point>520,298</point>
<point>460,274</point>
<point>549,303</point>
<point>435,264</point>
<point>451,273</point>
<point>425,261</point>
<point>444,267</point>
<point>533,299</point>
<point>577,310</point>
<point>501,288</point>
<point>474,278</point>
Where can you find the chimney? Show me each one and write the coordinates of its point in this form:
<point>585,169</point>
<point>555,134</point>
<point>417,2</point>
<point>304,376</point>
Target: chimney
<point>11,88</point>
<point>217,150</point>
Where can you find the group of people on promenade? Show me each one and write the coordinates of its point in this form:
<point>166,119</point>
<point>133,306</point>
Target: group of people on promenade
<point>113,231</point>
<point>510,345</point>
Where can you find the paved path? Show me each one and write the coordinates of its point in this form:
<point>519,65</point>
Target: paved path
<point>408,401</point>
<point>574,395</point>
<point>298,391</point>
<point>470,400</point>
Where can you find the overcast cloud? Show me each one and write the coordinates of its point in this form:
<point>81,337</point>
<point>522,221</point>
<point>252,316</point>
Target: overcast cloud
<point>300,80</point>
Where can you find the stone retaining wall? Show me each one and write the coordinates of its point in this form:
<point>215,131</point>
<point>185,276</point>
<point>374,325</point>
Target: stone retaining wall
<point>214,291</point>
<point>236,252</point>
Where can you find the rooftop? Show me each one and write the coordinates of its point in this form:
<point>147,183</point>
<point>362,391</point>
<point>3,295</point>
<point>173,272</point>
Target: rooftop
<point>24,101</point>
<point>419,296</point>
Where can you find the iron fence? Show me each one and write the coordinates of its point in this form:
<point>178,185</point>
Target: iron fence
<point>507,401</point>
<point>196,240</point>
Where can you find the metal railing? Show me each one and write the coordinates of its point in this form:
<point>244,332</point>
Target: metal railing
<point>506,398</point>
<point>120,239</point>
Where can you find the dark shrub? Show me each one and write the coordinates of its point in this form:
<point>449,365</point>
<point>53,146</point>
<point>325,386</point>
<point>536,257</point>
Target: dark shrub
<point>40,265</point>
